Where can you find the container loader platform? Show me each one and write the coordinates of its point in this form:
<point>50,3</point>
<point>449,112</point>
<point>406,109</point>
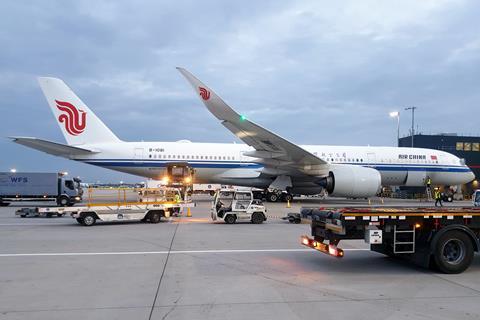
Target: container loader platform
<point>441,238</point>
<point>147,205</point>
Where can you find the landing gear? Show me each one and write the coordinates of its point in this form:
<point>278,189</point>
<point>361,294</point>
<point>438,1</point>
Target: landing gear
<point>275,196</point>
<point>287,197</point>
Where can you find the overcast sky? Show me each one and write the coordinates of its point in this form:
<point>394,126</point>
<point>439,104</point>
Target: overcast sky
<point>315,72</point>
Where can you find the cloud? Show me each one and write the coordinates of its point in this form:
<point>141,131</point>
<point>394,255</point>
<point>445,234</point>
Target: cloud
<point>312,71</point>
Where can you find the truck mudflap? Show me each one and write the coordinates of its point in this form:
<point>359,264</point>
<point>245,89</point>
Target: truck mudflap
<point>329,249</point>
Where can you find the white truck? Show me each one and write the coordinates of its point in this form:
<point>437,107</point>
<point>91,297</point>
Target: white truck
<point>39,186</point>
<point>231,206</point>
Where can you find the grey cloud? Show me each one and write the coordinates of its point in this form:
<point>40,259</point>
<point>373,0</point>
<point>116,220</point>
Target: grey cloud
<point>312,71</point>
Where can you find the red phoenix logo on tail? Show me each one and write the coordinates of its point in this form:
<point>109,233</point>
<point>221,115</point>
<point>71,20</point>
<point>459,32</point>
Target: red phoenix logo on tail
<point>204,93</point>
<point>74,119</point>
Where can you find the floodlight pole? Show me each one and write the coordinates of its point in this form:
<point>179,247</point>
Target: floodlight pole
<point>412,131</point>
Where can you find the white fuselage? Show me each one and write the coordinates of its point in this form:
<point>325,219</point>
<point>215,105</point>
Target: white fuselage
<point>226,164</point>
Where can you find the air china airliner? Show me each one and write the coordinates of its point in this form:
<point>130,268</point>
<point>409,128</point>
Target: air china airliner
<point>266,160</point>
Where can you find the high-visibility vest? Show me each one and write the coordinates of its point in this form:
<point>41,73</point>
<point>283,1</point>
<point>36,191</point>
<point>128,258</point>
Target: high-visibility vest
<point>429,181</point>
<point>437,194</point>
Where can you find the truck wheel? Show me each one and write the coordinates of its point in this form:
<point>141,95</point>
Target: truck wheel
<point>230,219</point>
<point>60,215</point>
<point>89,219</point>
<point>63,201</point>
<point>287,197</point>
<point>154,217</point>
<point>79,220</point>
<point>257,218</point>
<point>272,197</point>
<point>212,193</point>
<point>453,252</point>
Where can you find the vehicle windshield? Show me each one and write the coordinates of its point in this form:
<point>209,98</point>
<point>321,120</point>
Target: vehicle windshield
<point>69,184</point>
<point>225,197</point>
<point>477,196</point>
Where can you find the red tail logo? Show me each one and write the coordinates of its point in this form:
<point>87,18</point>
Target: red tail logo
<point>204,93</point>
<point>74,119</point>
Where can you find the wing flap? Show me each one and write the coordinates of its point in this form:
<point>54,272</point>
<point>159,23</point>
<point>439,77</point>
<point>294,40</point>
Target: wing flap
<point>50,147</point>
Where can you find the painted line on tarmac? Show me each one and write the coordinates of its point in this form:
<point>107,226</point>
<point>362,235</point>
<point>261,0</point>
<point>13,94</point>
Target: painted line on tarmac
<point>126,253</point>
<point>32,224</point>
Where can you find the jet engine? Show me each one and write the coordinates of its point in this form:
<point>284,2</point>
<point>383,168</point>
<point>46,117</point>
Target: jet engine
<point>351,181</point>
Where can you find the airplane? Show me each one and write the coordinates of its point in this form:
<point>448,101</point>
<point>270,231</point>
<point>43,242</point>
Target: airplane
<point>265,161</point>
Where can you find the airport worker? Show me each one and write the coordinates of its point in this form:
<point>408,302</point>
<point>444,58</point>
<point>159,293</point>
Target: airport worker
<point>438,197</point>
<point>429,182</point>
<point>177,198</point>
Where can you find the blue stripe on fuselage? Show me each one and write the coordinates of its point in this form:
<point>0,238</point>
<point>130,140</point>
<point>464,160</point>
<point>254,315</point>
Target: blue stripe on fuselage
<point>248,165</point>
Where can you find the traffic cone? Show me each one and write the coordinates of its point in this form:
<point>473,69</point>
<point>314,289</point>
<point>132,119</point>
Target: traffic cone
<point>189,212</point>
<point>288,204</point>
<point>369,202</point>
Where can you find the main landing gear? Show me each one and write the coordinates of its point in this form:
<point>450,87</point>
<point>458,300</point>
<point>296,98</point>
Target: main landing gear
<point>276,196</point>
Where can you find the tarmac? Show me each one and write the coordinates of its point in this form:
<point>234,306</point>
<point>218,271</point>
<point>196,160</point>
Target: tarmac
<point>191,268</point>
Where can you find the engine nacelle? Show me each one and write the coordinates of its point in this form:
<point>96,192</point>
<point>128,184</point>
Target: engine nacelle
<point>351,181</point>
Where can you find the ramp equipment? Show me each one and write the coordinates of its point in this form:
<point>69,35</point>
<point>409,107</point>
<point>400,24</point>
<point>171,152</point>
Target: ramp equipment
<point>441,238</point>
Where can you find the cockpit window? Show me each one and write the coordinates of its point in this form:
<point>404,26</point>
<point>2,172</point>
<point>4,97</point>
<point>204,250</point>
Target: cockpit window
<point>462,162</point>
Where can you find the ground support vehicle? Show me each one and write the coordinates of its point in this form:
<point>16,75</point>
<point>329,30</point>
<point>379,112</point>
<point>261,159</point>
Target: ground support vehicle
<point>151,212</point>
<point>231,206</point>
<point>39,186</point>
<point>33,212</point>
<point>441,238</point>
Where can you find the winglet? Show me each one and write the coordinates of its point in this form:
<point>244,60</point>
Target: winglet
<point>212,101</point>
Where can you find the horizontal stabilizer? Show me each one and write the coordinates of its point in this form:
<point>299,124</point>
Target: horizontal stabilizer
<point>54,148</point>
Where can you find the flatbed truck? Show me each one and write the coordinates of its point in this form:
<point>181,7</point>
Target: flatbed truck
<point>444,239</point>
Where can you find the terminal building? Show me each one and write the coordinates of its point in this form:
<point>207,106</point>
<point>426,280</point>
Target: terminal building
<point>464,147</point>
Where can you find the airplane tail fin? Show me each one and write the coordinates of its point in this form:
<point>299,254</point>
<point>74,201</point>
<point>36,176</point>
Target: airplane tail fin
<point>78,123</point>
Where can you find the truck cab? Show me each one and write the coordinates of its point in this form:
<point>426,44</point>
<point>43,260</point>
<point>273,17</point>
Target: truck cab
<point>69,191</point>
<point>235,205</point>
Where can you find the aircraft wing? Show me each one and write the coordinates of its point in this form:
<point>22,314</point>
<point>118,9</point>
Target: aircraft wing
<point>272,149</point>
<point>54,148</point>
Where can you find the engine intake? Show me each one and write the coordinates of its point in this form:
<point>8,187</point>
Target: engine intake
<point>351,181</point>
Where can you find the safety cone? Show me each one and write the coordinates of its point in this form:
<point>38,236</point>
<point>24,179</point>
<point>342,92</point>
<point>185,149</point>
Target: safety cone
<point>189,213</point>
<point>288,204</point>
<point>369,202</point>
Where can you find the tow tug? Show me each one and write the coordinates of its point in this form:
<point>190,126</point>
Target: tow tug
<point>441,238</point>
<point>237,205</point>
